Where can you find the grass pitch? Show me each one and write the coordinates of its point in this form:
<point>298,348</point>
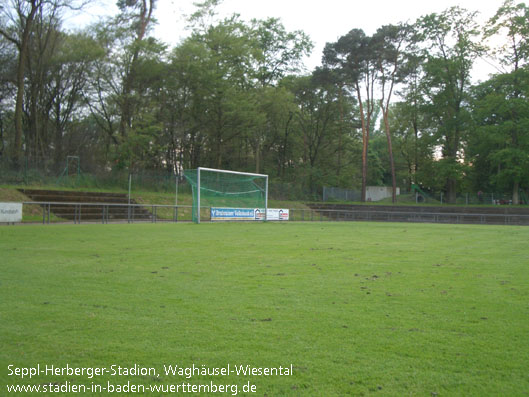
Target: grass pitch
<point>355,308</point>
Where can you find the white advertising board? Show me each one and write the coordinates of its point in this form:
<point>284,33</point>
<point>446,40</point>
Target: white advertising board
<point>248,214</point>
<point>277,214</point>
<point>10,212</point>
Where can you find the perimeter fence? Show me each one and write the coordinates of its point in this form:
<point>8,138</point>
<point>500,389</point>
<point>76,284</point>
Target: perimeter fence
<point>334,194</point>
<point>75,172</point>
<point>77,213</point>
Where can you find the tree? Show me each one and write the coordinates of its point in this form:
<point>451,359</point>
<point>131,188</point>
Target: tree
<point>511,21</point>
<point>125,83</point>
<point>136,17</point>
<point>500,147</point>
<point>413,143</point>
<point>69,75</point>
<point>281,51</point>
<point>220,57</point>
<point>314,119</point>
<point>389,46</point>
<point>16,25</point>
<point>451,46</point>
<point>351,57</point>
<point>7,77</point>
<point>501,104</point>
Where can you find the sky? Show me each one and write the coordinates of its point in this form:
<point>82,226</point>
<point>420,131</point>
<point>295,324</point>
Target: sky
<point>323,20</point>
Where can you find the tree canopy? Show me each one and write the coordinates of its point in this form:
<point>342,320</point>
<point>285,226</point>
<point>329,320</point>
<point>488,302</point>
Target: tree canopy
<point>398,107</point>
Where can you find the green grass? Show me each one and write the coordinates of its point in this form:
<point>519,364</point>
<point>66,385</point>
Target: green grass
<point>356,308</point>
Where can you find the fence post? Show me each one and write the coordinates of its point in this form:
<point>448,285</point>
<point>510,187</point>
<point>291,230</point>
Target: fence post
<point>441,198</point>
<point>467,198</point>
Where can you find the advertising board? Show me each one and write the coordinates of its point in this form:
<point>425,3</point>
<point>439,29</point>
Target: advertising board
<point>248,214</point>
<point>10,212</point>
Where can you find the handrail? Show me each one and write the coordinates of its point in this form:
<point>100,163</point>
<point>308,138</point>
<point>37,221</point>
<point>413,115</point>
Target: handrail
<point>106,204</point>
<point>329,214</point>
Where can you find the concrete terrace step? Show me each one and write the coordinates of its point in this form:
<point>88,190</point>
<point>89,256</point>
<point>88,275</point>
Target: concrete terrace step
<point>78,199</point>
<point>500,209</point>
<point>440,214</point>
<point>96,200</point>
<point>71,193</point>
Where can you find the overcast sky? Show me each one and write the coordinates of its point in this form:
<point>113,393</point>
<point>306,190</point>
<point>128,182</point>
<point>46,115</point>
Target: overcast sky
<point>323,20</point>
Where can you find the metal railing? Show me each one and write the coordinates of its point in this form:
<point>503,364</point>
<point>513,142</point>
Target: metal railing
<point>53,212</point>
<point>57,212</point>
<point>408,216</point>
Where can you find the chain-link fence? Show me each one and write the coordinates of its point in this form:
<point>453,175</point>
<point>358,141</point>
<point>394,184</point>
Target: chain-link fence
<point>72,173</point>
<point>419,196</point>
<point>339,194</point>
<point>474,198</point>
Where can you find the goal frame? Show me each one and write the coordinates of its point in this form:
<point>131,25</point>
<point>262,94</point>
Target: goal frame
<point>230,172</point>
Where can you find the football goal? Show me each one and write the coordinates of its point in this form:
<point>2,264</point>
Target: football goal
<point>228,195</point>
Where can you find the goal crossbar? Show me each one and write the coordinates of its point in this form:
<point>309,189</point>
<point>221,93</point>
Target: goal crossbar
<point>231,172</point>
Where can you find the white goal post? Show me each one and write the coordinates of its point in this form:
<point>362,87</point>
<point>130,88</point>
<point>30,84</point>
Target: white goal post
<point>228,187</point>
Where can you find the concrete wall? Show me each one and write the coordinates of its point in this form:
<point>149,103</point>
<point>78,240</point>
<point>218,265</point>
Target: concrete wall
<point>376,193</point>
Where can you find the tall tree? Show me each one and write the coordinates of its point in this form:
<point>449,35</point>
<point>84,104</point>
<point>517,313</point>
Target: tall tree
<point>318,118</point>
<point>511,21</point>
<point>221,57</point>
<point>351,57</point>
<point>69,75</point>
<point>16,24</point>
<point>502,102</point>
<point>389,46</point>
<point>500,146</point>
<point>452,44</point>
<point>282,51</point>
<point>137,15</point>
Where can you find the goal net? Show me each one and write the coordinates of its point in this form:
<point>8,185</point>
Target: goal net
<point>228,195</point>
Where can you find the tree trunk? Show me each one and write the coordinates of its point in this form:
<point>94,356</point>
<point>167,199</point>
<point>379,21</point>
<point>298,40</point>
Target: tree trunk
<point>391,161</point>
<point>365,143</point>
<point>258,159</point>
<point>127,103</point>
<point>451,194</point>
<point>516,193</point>
<point>58,136</point>
<point>16,151</point>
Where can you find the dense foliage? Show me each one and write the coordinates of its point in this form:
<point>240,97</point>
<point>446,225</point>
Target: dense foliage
<point>395,108</point>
